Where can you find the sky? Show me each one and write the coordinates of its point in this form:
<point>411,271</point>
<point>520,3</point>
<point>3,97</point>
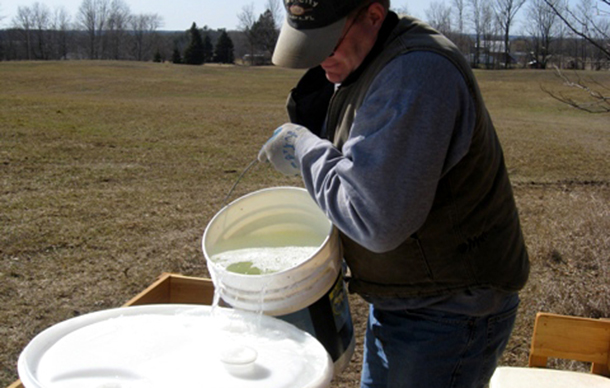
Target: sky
<point>180,14</point>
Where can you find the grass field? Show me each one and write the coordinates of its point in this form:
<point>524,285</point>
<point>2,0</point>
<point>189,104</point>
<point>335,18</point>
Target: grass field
<point>110,172</point>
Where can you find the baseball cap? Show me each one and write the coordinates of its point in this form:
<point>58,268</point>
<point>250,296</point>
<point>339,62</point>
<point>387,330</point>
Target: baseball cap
<point>311,31</point>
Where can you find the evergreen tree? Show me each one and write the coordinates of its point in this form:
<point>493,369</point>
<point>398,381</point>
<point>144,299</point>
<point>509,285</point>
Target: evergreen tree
<point>208,49</point>
<point>176,57</point>
<point>224,49</point>
<point>158,57</point>
<point>264,32</point>
<point>194,53</point>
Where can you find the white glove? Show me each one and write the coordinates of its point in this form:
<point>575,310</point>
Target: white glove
<point>280,150</point>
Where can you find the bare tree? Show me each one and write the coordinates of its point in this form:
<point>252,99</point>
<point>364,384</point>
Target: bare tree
<point>246,23</point>
<point>24,22</point>
<point>277,12</point>
<point>475,14</point>
<point>592,99</point>
<point>119,19</point>
<point>60,27</point>
<point>584,15</point>
<point>92,17</point>
<point>144,28</point>
<point>542,27</point>
<point>506,11</point>
<point>595,96</point>
<point>460,7</point>
<point>439,17</point>
<point>41,18</point>
<point>1,36</point>
<point>402,10</point>
<point>460,38</point>
<point>489,29</point>
<point>483,22</point>
<point>603,32</point>
<point>560,44</point>
<point>584,27</point>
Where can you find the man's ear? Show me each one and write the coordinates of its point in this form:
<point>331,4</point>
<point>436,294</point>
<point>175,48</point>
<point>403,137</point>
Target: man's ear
<point>376,14</point>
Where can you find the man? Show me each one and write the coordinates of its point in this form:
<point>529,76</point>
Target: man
<point>393,141</point>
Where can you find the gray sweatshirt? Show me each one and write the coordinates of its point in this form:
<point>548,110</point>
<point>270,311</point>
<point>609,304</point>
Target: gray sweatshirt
<point>414,125</point>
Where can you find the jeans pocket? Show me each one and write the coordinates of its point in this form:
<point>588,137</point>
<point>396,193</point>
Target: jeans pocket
<point>500,326</point>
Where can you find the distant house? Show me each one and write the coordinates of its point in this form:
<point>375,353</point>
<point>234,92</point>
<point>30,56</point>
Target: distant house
<point>491,54</point>
<point>260,59</point>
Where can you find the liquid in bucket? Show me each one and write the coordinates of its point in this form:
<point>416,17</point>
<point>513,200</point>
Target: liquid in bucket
<point>275,251</point>
<point>263,260</point>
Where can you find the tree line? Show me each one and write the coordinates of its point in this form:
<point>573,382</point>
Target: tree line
<point>101,29</point>
<point>107,29</point>
<point>551,32</point>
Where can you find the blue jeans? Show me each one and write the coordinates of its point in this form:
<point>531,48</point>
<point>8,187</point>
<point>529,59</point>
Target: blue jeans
<point>427,348</point>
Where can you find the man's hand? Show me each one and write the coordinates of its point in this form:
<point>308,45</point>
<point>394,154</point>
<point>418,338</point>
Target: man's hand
<point>280,150</point>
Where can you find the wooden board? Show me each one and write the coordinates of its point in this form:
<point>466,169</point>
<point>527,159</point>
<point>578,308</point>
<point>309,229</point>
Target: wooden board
<point>176,289</point>
<point>573,338</point>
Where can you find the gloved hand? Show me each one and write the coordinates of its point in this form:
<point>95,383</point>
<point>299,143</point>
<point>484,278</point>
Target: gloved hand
<point>280,150</point>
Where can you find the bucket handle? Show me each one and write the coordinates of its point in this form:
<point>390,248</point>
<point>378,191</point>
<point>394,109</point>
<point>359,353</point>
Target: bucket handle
<point>252,163</point>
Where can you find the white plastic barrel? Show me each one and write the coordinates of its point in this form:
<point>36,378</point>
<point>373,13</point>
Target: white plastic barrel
<point>170,345</point>
<point>310,294</point>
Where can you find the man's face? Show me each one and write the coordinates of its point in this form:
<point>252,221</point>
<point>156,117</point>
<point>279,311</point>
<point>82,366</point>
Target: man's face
<point>359,36</point>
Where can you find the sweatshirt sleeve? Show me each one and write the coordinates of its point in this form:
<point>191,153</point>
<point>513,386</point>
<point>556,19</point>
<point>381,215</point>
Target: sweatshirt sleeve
<point>414,125</point>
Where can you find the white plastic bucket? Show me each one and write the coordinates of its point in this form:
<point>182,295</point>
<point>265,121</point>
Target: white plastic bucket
<point>170,345</point>
<point>311,294</point>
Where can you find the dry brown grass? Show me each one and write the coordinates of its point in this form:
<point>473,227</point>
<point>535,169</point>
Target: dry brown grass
<point>112,170</point>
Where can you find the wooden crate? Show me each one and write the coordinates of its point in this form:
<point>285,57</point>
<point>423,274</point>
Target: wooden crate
<point>169,288</point>
<point>176,289</point>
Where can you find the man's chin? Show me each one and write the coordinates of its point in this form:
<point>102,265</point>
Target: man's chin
<point>333,77</point>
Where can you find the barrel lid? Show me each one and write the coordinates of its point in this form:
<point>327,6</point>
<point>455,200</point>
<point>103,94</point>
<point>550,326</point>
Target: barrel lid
<point>158,346</point>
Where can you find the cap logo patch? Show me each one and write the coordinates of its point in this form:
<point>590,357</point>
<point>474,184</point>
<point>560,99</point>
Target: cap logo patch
<point>297,10</point>
<point>313,14</point>
<point>302,10</point>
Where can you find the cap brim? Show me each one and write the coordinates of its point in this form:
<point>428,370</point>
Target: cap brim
<point>306,48</point>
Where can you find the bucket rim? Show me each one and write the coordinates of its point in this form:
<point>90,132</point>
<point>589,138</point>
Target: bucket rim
<point>331,232</point>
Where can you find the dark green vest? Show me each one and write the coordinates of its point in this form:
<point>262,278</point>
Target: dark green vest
<point>472,237</point>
